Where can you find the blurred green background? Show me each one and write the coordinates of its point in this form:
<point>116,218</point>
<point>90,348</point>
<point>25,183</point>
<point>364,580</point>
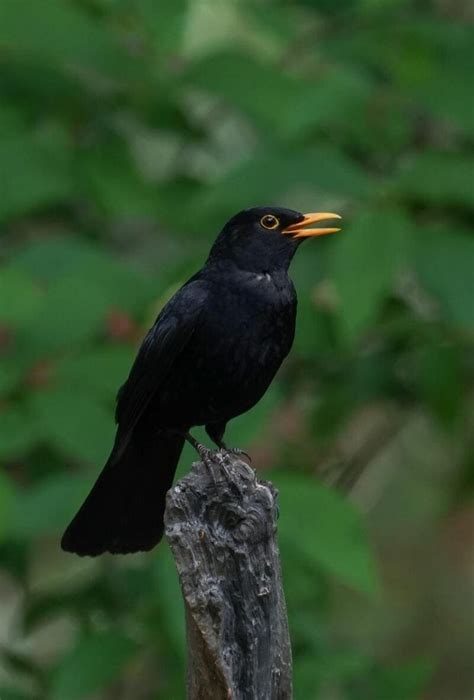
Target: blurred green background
<point>130,131</point>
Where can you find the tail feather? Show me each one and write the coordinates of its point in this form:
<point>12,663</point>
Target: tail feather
<point>124,511</point>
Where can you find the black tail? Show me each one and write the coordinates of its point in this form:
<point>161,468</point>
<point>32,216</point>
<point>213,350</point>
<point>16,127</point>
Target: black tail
<point>124,511</point>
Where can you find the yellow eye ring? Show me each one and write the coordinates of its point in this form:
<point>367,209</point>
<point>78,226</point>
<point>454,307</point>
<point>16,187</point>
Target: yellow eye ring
<point>269,221</point>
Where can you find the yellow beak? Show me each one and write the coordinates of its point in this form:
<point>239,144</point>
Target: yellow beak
<point>299,230</point>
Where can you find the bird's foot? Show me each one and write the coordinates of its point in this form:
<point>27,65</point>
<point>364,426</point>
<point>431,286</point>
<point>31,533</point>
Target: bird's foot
<point>238,452</point>
<point>212,458</point>
<point>207,456</point>
<point>226,451</point>
<point>234,451</point>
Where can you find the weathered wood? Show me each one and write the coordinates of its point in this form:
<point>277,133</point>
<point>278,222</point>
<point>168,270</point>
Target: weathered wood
<point>221,526</point>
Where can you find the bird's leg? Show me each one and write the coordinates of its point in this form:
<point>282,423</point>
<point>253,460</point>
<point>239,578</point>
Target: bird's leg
<point>208,456</point>
<point>203,451</point>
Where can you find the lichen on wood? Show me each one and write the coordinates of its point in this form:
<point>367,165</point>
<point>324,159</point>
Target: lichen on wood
<point>221,525</point>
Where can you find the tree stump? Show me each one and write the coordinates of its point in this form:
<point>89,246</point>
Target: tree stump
<point>221,525</point>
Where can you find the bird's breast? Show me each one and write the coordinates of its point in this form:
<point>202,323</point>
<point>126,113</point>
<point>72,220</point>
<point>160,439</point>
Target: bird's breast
<point>245,337</point>
<point>253,313</point>
<point>245,332</point>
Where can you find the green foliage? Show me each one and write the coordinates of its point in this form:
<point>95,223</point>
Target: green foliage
<point>439,179</point>
<point>60,33</point>
<point>65,417</point>
<point>446,271</point>
<point>91,665</point>
<point>7,500</point>
<point>47,502</point>
<point>36,170</point>
<point>367,260</point>
<point>21,298</point>
<point>336,541</point>
<point>130,130</point>
<point>19,432</point>
<point>10,694</point>
<point>402,682</point>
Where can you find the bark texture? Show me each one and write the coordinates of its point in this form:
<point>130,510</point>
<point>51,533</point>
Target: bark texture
<point>221,525</point>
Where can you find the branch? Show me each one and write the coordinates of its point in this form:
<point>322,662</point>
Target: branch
<point>221,526</point>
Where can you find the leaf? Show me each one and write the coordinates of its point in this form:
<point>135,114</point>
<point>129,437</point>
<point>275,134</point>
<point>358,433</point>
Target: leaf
<point>445,95</point>
<point>275,99</point>
<point>74,312</point>
<point>326,530</point>
<point>112,180</point>
<point>98,372</point>
<point>438,179</point>
<point>11,373</point>
<point>18,432</point>
<point>73,423</point>
<point>164,23</point>
<point>44,88</point>
<point>78,599</point>
<point>308,270</point>
<point>50,258</point>
<point>20,298</point>
<point>53,258</point>
<point>247,84</point>
<point>92,665</point>
<point>270,176</point>
<point>367,256</point>
<point>59,32</point>
<point>327,7</point>
<point>401,681</point>
<point>7,504</point>
<point>46,506</point>
<point>440,379</point>
<point>126,287</point>
<point>444,50</point>
<point>444,261</point>
<point>13,694</point>
<point>35,172</point>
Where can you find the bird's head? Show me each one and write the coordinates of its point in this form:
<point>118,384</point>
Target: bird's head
<point>266,238</point>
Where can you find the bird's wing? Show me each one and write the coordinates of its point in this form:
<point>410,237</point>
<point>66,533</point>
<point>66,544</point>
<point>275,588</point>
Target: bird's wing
<point>171,331</point>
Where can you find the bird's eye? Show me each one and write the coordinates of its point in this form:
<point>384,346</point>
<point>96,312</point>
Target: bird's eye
<point>269,221</point>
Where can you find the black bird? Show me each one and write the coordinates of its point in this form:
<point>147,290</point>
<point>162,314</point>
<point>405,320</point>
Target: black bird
<point>210,356</point>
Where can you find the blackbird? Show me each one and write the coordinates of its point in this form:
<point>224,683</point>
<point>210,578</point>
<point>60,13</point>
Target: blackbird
<point>210,356</point>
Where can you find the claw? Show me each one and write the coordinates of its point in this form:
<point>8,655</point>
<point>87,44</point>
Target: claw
<point>238,452</point>
<point>213,457</point>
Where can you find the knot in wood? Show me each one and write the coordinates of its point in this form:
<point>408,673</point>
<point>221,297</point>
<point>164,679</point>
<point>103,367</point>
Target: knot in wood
<point>242,515</point>
<point>221,526</point>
